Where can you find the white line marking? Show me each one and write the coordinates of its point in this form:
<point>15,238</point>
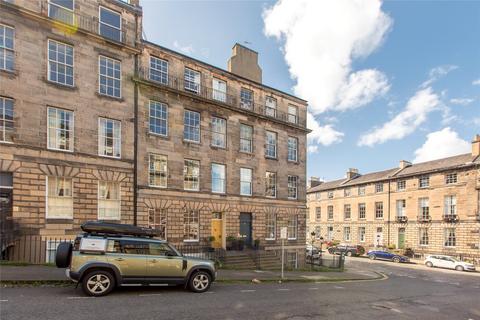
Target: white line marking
<point>149,294</point>
<point>80,297</point>
<point>312,288</point>
<point>283,289</point>
<point>338,287</point>
<point>248,290</point>
<point>3,300</point>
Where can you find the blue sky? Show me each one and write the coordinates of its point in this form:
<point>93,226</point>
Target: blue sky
<point>386,81</point>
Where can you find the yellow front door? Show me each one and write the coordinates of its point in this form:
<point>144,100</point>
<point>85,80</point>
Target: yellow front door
<point>217,233</point>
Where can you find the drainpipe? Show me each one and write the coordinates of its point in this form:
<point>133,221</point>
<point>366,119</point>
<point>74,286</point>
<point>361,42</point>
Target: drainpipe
<point>135,129</point>
<point>388,216</point>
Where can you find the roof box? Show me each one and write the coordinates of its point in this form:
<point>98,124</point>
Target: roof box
<point>100,227</point>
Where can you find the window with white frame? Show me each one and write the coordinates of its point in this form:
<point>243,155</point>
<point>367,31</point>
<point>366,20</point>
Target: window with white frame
<point>450,237</point>
<point>60,129</point>
<point>270,144</point>
<point>424,209</point>
<point>110,78</point>
<point>157,219</point>
<point>379,187</point>
<point>218,178</point>
<point>292,114</point>
<point>346,233</point>
<point>450,178</point>
<point>330,194</point>
<point>158,70</point>
<point>157,172</point>
<point>401,207</point>
<point>292,187</point>
<point>108,200</point>
<point>347,211</point>
<point>318,195</point>
<point>62,10</point>
<point>110,24</point>
<point>191,175</point>
<point>329,233</point>
<point>6,120</point>
<point>7,53</point>
<point>292,259</point>
<point>158,118</point>
<point>219,132</point>
<point>271,107</point>
<point>270,184</point>
<point>347,192</point>
<point>191,225</point>
<point>270,226</point>
<point>330,212</point>
<point>450,205</point>
<point>361,190</point>
<point>378,210</point>
<point>292,149</point>
<point>318,232</point>
<point>192,80</point>
<point>361,234</point>
<point>60,63</point>
<point>401,185</point>
<point>362,211</point>
<point>246,138</point>
<point>245,181</point>
<point>292,227</point>
<point>423,236</point>
<point>191,126</point>
<point>318,213</point>
<point>219,90</point>
<point>246,99</point>
<point>59,198</point>
<point>109,138</point>
<point>423,181</point>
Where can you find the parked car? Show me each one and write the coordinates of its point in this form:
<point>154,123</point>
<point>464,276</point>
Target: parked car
<point>386,255</point>
<point>448,262</point>
<point>108,255</point>
<point>348,250</point>
<point>312,252</point>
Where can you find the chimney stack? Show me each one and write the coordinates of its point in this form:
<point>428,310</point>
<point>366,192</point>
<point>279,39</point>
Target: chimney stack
<point>315,181</point>
<point>244,62</point>
<point>404,164</point>
<point>352,173</point>
<point>476,146</point>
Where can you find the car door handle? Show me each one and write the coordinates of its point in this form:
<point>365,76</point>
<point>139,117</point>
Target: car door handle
<point>119,259</point>
<point>153,260</point>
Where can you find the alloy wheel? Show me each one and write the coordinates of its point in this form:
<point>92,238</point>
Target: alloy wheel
<point>98,283</point>
<point>200,282</point>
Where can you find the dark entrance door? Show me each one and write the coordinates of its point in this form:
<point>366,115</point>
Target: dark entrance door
<point>6,188</point>
<point>246,227</point>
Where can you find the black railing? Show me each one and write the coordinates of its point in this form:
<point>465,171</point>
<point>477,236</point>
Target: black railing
<point>208,93</point>
<point>203,252</point>
<point>326,261</point>
<point>402,219</point>
<point>30,249</point>
<point>450,218</point>
<point>424,218</point>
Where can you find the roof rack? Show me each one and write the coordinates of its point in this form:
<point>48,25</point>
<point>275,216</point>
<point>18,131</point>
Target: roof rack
<point>117,229</point>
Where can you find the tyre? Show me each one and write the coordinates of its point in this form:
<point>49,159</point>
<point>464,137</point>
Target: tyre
<point>349,253</point>
<point>459,268</point>
<point>396,259</point>
<point>429,264</point>
<point>372,257</point>
<point>330,250</point>
<point>63,255</point>
<point>199,281</point>
<point>98,283</point>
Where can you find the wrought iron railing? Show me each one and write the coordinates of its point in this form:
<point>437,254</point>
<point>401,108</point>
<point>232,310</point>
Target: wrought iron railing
<point>450,218</point>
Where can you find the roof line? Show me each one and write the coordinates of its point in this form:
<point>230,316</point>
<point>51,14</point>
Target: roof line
<point>223,70</point>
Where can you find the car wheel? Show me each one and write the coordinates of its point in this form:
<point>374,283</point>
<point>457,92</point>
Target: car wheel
<point>200,282</point>
<point>98,283</point>
<point>330,251</point>
<point>372,257</point>
<point>429,264</point>
<point>63,255</point>
<point>349,253</point>
<point>459,268</point>
<point>396,259</point>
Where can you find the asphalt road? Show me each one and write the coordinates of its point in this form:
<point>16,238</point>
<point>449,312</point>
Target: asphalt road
<point>408,293</point>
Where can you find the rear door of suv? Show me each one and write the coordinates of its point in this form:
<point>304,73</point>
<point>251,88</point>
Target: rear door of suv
<point>129,256</point>
<point>164,265</point>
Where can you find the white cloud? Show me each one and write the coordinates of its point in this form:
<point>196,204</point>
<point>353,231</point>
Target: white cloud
<point>187,49</point>
<point>476,121</point>
<point>324,135</point>
<point>415,113</point>
<point>441,144</point>
<point>322,38</point>
<point>476,82</point>
<point>461,101</point>
<point>437,73</point>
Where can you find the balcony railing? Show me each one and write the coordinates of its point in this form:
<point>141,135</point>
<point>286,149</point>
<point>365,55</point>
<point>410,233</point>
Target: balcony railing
<point>450,218</point>
<point>74,20</point>
<point>205,92</point>
<point>402,219</point>
<point>424,219</point>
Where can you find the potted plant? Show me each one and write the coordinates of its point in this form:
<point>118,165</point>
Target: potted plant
<point>256,244</point>
<point>240,244</point>
<point>231,242</point>
<point>211,239</point>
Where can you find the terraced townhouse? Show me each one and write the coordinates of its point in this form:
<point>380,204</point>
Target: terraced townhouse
<point>430,207</point>
<point>97,123</point>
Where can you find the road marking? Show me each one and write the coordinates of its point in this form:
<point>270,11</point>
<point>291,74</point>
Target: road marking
<point>3,300</point>
<point>338,287</point>
<point>283,289</point>
<point>248,290</point>
<point>412,277</point>
<point>149,294</point>
<point>454,283</point>
<point>80,298</point>
<point>439,281</point>
<point>312,288</point>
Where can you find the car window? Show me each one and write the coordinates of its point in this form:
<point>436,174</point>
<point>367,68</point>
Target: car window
<point>133,247</point>
<point>113,246</point>
<point>159,249</point>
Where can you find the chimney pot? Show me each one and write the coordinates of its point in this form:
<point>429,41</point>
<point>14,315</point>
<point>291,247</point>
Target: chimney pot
<point>244,62</point>
<point>352,173</point>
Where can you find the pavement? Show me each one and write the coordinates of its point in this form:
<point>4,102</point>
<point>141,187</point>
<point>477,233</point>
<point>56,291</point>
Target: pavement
<point>407,293</point>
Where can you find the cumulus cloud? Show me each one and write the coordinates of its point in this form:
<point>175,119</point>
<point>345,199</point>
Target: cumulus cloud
<point>321,40</point>
<point>441,144</point>
<point>437,73</point>
<point>407,121</point>
<point>187,49</point>
<point>461,101</point>
<point>476,82</point>
<point>324,135</point>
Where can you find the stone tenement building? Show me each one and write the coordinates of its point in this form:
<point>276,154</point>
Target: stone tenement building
<point>97,123</point>
<point>431,207</point>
